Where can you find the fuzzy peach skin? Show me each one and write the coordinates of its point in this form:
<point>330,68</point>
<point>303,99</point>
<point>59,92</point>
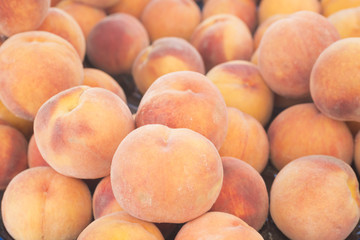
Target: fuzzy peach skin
<point>97,78</point>
<point>303,130</point>
<point>315,197</point>
<point>34,158</point>
<point>243,193</point>
<point>71,135</point>
<point>114,43</point>
<point>120,226</point>
<point>287,72</point>
<point>104,201</point>
<point>185,99</point>
<point>246,139</point>
<point>132,7</point>
<point>222,38</point>
<point>357,152</point>
<point>170,18</point>
<point>22,15</point>
<point>34,66</point>
<point>243,87</point>
<point>13,157</point>
<point>40,203</point>
<point>61,23</point>
<point>98,3</point>
<point>165,55</point>
<point>178,174</point>
<point>332,6</point>
<point>347,22</point>
<point>217,225</point>
<point>86,16</point>
<point>269,8</point>
<point>334,87</point>
<point>244,9</point>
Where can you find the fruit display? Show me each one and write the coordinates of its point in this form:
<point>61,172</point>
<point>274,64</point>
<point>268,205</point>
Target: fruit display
<point>179,120</point>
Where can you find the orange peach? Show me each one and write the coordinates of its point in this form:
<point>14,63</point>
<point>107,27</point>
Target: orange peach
<point>98,3</point>
<point>303,130</point>
<point>334,87</point>
<point>114,43</point>
<point>243,193</point>
<point>170,18</point>
<point>22,15</point>
<point>45,64</point>
<point>71,135</point>
<point>13,150</point>
<point>185,99</point>
<point>96,78</point>
<point>347,22</point>
<point>40,203</point>
<point>132,7</point>
<point>222,38</point>
<point>243,87</point>
<point>255,57</point>
<point>217,225</point>
<point>287,72</point>
<point>246,139</point>
<point>332,6</point>
<point>165,55</point>
<point>61,23</point>
<point>34,157</point>
<point>315,197</point>
<point>120,225</point>
<point>178,174</point>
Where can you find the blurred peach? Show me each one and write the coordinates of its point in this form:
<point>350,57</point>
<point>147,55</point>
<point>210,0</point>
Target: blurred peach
<point>132,7</point>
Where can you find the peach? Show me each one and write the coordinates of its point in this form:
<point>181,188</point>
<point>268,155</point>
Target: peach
<point>86,16</point>
<point>45,64</point>
<point>165,55</point>
<point>34,157</point>
<point>243,193</point>
<point>303,130</point>
<point>217,225</point>
<point>334,87</point>
<point>40,203</point>
<point>255,57</point>
<point>97,78</point>
<point>332,6</point>
<point>99,3</point>
<point>185,99</point>
<point>104,201</point>
<point>170,18</point>
<point>222,38</point>
<point>71,135</point>
<point>178,174</point>
<point>268,8</point>
<point>114,43</point>
<point>244,9</point>
<point>315,197</point>
<point>13,150</point>
<point>246,139</point>
<point>61,23</point>
<point>54,2</point>
<point>132,7</point>
<point>120,225</point>
<point>357,152</point>
<point>347,22</point>
<point>22,15</point>
<point>243,87</point>
<point>286,72</point>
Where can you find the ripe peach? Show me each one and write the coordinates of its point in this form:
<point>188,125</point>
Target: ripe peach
<point>315,197</point>
<point>243,87</point>
<point>217,225</point>
<point>178,174</point>
<point>45,64</point>
<point>244,9</point>
<point>120,225</point>
<point>34,158</point>
<point>303,130</point>
<point>132,7</point>
<point>71,135</point>
<point>286,72</point>
<point>347,22</point>
<point>97,78</point>
<point>246,139</point>
<point>170,18</point>
<point>165,55</point>
<point>115,41</point>
<point>22,15</point>
<point>185,99</point>
<point>61,23</point>
<point>334,87</point>
<point>332,6</point>
<point>99,3</point>
<point>222,38</point>
<point>40,203</point>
